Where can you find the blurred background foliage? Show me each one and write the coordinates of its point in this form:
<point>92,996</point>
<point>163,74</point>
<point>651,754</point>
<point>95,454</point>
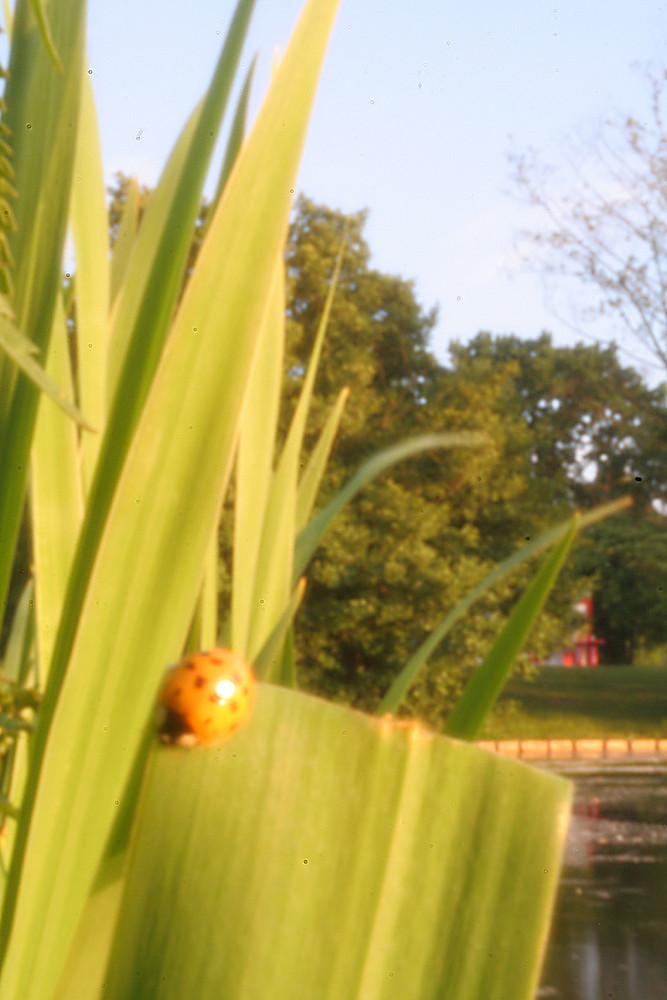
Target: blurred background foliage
<point>567,427</point>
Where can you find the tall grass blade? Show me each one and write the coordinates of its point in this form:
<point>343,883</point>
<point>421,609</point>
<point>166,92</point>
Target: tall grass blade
<point>45,31</point>
<point>309,537</point>
<point>408,675</point>
<point>236,132</point>
<point>56,498</point>
<point>479,696</point>
<point>90,229</point>
<point>275,553</point>
<point>309,482</point>
<point>22,351</point>
<point>254,466</point>
<point>267,663</point>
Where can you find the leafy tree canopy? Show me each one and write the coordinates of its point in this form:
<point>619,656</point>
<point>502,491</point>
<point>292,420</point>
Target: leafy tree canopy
<point>565,426</point>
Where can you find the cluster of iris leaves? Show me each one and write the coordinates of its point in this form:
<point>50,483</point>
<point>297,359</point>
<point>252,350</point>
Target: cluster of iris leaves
<point>134,870</point>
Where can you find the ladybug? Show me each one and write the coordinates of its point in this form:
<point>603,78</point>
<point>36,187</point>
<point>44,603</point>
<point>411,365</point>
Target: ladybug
<point>205,698</point>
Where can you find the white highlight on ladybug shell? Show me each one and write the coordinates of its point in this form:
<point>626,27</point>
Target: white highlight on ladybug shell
<point>225,689</point>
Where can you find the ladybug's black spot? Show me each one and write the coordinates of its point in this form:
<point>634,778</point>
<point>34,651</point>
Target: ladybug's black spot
<point>200,681</point>
<point>178,692</point>
<point>213,698</point>
<point>208,722</point>
<point>173,726</point>
<point>233,705</point>
<point>190,665</point>
<point>215,659</point>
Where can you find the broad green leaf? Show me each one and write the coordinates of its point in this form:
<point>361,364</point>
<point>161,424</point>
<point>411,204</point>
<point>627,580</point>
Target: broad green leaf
<point>309,537</point>
<point>467,716</point>
<point>408,674</point>
<point>90,229</point>
<point>23,351</point>
<point>324,854</point>
<point>309,482</point>
<point>139,599</point>
<point>42,114</point>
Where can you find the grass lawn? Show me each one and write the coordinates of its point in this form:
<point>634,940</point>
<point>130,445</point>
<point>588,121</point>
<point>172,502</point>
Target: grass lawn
<point>577,703</point>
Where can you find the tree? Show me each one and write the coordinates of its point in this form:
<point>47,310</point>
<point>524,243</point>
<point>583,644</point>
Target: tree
<point>418,540</point>
<point>566,427</point>
<point>593,429</point>
<point>605,223</point>
<point>627,560</point>
<point>118,195</point>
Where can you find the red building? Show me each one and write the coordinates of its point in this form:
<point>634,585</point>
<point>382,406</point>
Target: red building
<point>584,650</point>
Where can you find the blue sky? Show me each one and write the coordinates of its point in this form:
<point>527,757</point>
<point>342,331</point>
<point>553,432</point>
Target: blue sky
<point>418,107</point>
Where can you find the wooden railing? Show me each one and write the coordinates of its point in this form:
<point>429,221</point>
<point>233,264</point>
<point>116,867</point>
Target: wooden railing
<point>615,748</point>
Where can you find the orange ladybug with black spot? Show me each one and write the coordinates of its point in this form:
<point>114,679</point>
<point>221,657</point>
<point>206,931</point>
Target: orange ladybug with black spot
<point>205,698</point>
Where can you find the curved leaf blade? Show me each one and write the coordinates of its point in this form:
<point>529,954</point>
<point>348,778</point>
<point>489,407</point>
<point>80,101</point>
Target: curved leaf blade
<point>309,538</point>
<point>407,676</point>
<point>22,351</point>
<point>310,481</point>
<point>467,716</point>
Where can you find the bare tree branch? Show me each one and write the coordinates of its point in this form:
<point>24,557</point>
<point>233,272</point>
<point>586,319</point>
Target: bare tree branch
<point>604,221</point>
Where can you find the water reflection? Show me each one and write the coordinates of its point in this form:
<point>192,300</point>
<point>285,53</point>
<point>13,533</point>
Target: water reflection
<point>609,937</point>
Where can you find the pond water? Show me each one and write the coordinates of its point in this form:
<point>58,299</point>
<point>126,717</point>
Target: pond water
<point>609,935</point>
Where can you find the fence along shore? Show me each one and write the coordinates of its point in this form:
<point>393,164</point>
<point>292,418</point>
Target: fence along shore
<point>614,748</point>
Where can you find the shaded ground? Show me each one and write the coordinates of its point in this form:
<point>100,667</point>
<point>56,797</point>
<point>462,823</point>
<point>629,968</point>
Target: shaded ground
<point>559,702</point>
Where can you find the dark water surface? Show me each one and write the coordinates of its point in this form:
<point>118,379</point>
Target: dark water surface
<point>609,936</point>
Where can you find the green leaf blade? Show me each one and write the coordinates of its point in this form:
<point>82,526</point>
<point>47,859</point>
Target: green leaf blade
<point>309,537</point>
<point>91,246</point>
<point>22,351</point>
<point>309,482</point>
<point>254,466</point>
<point>408,674</point>
<point>467,716</point>
<point>56,499</point>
